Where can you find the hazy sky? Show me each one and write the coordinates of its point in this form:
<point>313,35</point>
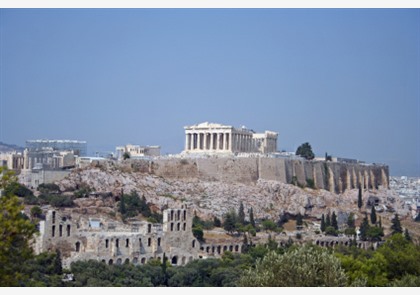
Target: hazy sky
<point>345,80</point>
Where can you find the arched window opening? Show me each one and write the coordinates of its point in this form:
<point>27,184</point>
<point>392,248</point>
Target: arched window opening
<point>193,243</point>
<point>77,246</point>
<point>53,231</point>
<point>117,243</point>
<point>158,242</point>
<point>174,260</point>
<point>68,230</point>
<point>149,242</point>
<point>60,230</point>
<point>127,243</point>
<point>178,226</point>
<point>53,217</point>
<point>149,228</point>
<point>106,243</point>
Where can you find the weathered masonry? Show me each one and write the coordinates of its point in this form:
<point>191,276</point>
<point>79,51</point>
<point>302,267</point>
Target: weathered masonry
<point>217,138</point>
<point>82,238</point>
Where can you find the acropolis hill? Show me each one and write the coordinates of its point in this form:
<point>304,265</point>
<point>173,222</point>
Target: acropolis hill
<point>220,168</point>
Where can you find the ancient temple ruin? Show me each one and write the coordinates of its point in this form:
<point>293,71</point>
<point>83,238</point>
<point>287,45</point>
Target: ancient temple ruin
<point>216,138</point>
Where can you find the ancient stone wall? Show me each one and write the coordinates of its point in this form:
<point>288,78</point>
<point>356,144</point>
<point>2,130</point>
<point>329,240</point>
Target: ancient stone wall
<point>332,176</point>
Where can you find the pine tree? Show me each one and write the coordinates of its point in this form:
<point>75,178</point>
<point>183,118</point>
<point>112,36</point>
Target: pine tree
<point>359,198</point>
<point>373,215</point>
<point>328,220</point>
<point>251,217</point>
<point>241,214</point>
<point>364,228</point>
<point>323,223</point>
<point>58,268</point>
<point>334,222</point>
<point>299,220</point>
<point>350,221</point>
<point>407,235</point>
<point>396,225</point>
<point>380,222</point>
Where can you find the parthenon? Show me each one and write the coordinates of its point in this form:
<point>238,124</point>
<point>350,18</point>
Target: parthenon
<point>217,138</point>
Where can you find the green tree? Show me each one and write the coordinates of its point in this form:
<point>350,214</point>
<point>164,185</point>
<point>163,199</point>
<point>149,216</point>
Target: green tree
<point>373,215</point>
<point>241,214</point>
<point>364,227</point>
<point>328,220</point>
<point>217,222</point>
<point>15,234</point>
<point>396,225</point>
<point>306,266</point>
<point>36,212</point>
<point>359,198</point>
<point>323,226</point>
<point>269,225</point>
<point>374,233</point>
<point>407,235</point>
<point>305,151</point>
<point>350,221</point>
<point>299,220</point>
<point>126,156</point>
<point>230,220</point>
<point>251,217</point>
<point>334,222</point>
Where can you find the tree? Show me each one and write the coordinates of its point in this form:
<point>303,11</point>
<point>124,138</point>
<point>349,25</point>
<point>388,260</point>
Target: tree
<point>305,151</point>
<point>396,225</point>
<point>251,217</point>
<point>36,212</point>
<point>126,156</point>
<point>217,222</point>
<point>15,234</point>
<point>407,235</point>
<point>359,198</point>
<point>229,223</point>
<point>373,215</point>
<point>269,225</point>
<point>350,221</point>
<point>328,220</point>
<point>323,226</point>
<point>299,220</point>
<point>306,266</point>
<point>364,227</point>
<point>241,214</point>
<point>334,222</point>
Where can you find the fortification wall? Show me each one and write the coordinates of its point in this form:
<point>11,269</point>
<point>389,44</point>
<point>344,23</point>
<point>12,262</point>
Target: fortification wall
<point>333,176</point>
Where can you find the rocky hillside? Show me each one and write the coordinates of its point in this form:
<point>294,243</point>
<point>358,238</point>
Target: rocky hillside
<point>268,199</point>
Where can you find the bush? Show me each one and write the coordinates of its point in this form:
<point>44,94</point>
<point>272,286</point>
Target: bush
<point>48,188</point>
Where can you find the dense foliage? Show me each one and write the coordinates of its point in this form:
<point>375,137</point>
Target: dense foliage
<point>305,151</point>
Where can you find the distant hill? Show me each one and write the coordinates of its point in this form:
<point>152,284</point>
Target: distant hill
<point>4,147</point>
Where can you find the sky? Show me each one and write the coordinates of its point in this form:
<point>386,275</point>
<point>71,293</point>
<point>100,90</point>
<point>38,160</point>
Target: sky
<point>345,80</point>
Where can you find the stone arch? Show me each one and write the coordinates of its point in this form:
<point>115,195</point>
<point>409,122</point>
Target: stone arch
<point>77,246</point>
<point>190,259</point>
<point>111,262</point>
<point>135,260</point>
<point>119,261</point>
<point>225,248</point>
<point>230,248</point>
<point>317,243</point>
<point>126,261</point>
<point>219,249</point>
<point>212,249</point>
<point>103,261</point>
<point>183,260</point>
<point>143,260</point>
<point>174,260</point>
<point>236,248</point>
<point>208,249</point>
